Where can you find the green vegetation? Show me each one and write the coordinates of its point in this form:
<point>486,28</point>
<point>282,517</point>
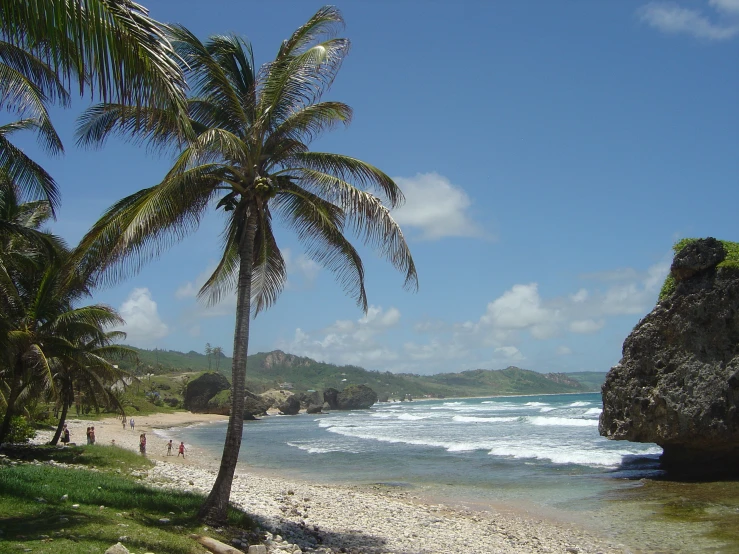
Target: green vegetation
<point>268,370</point>
<point>731,262</point>
<point>113,502</point>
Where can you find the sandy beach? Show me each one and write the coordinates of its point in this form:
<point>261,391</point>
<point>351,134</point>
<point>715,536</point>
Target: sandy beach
<point>306,517</point>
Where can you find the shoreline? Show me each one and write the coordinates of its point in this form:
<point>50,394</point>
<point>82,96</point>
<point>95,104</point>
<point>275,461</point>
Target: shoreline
<point>364,519</point>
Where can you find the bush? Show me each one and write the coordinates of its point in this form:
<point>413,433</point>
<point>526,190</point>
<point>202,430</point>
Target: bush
<point>20,430</point>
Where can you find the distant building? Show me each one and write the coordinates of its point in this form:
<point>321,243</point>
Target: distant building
<point>287,386</point>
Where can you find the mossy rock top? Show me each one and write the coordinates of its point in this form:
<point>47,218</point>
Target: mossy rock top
<point>728,261</point>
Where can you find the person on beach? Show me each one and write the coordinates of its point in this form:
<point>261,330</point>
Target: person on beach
<point>92,435</point>
<point>130,423</point>
<point>88,436</point>
<point>181,450</point>
<point>124,423</point>
<point>65,435</point>
<point>142,444</point>
<point>169,448</point>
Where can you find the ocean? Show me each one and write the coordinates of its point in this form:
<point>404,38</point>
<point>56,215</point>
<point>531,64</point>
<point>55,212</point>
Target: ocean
<point>538,454</point>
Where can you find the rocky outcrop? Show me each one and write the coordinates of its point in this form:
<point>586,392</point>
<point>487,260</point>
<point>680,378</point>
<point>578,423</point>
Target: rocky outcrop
<point>201,389</point>
<point>677,384</point>
<point>356,397</point>
<point>279,359</point>
<point>329,397</point>
<point>290,406</point>
<point>255,405</point>
<point>276,397</point>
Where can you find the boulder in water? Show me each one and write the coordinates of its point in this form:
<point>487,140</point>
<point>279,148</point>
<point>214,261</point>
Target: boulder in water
<point>677,383</point>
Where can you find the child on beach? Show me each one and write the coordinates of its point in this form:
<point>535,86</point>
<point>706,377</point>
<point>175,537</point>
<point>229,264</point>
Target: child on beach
<point>88,436</point>
<point>142,444</point>
<point>65,435</point>
<point>130,423</point>
<point>181,450</point>
<point>124,423</point>
<point>169,448</point>
<point>92,435</point>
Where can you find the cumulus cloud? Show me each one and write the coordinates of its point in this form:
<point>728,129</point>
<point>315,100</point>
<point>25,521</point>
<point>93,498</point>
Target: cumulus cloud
<point>143,324</point>
<point>674,19</point>
<point>501,335</point>
<point>521,307</point>
<point>349,342</point>
<point>436,207</point>
<point>586,326</point>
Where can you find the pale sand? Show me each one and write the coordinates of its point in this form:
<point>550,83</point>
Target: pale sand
<point>357,519</point>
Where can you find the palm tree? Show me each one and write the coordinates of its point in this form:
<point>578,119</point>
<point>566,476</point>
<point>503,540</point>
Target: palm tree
<point>217,353</point>
<point>111,47</point>
<point>85,364</point>
<point>208,353</point>
<point>250,157</point>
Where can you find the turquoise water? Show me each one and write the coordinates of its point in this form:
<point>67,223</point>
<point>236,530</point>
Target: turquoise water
<point>541,454</point>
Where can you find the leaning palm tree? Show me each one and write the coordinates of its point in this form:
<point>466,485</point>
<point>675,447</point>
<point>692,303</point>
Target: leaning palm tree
<point>251,159</point>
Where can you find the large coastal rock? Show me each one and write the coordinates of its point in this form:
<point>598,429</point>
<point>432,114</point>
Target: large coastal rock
<point>356,397</point>
<point>254,405</point>
<point>678,382</point>
<point>201,389</point>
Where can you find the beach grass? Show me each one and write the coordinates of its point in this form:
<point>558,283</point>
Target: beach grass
<point>114,504</point>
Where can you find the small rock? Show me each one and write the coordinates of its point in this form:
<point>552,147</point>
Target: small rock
<point>65,497</point>
<point>123,538</point>
<point>164,520</point>
<point>257,549</point>
<point>76,506</point>
<point>573,550</point>
<point>63,520</point>
<point>117,548</point>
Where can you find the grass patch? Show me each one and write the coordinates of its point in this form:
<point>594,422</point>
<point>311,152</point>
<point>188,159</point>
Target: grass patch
<point>113,503</point>
<point>731,262</point>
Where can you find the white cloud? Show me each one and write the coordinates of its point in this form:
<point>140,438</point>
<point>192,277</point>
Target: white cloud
<point>521,308</point>
<point>586,326</point>
<point>349,342</point>
<point>509,353</point>
<point>580,296</point>
<point>730,6</point>
<point>501,336</point>
<point>674,19</point>
<point>143,325</point>
<point>302,266</point>
<point>436,207</point>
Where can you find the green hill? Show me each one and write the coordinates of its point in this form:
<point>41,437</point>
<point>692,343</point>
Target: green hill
<point>268,370</point>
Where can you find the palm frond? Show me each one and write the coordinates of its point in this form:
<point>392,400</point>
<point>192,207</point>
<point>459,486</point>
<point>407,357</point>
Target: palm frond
<point>352,170</point>
<point>111,47</point>
<point>319,226</point>
<point>32,180</point>
<point>370,218</point>
<point>141,226</point>
<point>269,273</point>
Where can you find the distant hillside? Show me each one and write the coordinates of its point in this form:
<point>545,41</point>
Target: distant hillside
<point>268,370</point>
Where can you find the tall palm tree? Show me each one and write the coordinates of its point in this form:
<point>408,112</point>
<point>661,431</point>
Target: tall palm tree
<point>250,158</point>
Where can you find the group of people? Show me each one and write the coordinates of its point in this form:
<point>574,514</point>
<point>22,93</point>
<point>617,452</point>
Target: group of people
<point>142,439</point>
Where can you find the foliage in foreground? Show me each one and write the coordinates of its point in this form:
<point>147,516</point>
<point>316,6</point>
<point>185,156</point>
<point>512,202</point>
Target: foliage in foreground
<point>111,504</point>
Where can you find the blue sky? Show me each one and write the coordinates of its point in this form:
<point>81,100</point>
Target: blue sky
<point>551,153</point>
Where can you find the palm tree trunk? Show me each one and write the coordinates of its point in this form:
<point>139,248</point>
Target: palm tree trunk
<point>215,508</point>
<point>15,391</point>
<point>62,419</point>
